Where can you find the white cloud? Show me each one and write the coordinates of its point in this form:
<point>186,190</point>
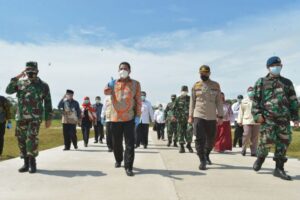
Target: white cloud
<point>162,63</point>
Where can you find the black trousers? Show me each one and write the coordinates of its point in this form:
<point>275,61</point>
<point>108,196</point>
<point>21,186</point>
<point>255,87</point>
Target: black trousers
<point>238,135</point>
<point>126,130</point>
<point>141,135</point>
<point>85,133</point>
<point>2,133</point>
<point>205,132</point>
<point>160,129</point>
<point>69,131</point>
<point>109,141</point>
<point>99,131</point>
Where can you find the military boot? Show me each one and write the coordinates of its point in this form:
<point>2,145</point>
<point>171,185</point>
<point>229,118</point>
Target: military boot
<point>207,158</point>
<point>181,150</point>
<point>189,147</point>
<point>32,165</point>
<point>202,165</point>
<point>279,170</point>
<point>258,163</point>
<point>25,167</point>
<point>169,143</point>
<point>175,144</point>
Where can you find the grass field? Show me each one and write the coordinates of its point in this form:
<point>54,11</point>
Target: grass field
<point>53,137</point>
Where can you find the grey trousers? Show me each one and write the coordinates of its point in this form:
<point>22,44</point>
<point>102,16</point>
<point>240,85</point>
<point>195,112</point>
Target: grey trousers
<point>250,137</point>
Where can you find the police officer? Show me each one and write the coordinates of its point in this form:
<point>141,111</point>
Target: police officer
<point>171,123</point>
<point>34,99</point>
<point>274,105</point>
<point>181,114</point>
<point>206,110</point>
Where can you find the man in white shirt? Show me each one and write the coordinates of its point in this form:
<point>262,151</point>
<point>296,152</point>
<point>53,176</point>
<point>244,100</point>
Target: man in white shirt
<point>106,120</point>
<point>142,129</point>
<point>238,132</point>
<point>159,118</point>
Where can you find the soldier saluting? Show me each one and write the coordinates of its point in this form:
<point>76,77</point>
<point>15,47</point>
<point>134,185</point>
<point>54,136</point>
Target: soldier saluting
<point>274,105</point>
<point>206,110</point>
<point>34,99</point>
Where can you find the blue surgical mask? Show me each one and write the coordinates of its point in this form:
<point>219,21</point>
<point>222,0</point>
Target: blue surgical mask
<point>275,70</point>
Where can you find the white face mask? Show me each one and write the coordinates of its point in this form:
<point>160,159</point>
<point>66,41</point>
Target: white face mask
<point>123,73</point>
<point>184,93</point>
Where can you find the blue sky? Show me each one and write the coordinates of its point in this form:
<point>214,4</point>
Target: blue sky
<point>165,41</point>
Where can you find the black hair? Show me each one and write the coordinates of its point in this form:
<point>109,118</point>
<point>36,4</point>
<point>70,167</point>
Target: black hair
<point>125,63</point>
<point>143,92</point>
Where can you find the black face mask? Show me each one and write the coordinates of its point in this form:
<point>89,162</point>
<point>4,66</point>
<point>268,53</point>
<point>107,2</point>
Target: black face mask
<point>204,78</point>
<point>31,75</point>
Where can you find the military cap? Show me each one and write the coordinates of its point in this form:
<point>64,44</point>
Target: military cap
<point>273,60</point>
<point>173,96</point>
<point>184,88</point>
<point>70,92</point>
<point>204,68</point>
<point>32,66</point>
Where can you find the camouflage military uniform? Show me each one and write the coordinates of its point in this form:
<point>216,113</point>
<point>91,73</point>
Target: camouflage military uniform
<point>31,97</point>
<point>181,113</point>
<point>171,125</point>
<point>275,100</point>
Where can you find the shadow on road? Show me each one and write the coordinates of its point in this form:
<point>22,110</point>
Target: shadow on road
<point>232,167</point>
<point>167,173</point>
<point>70,173</point>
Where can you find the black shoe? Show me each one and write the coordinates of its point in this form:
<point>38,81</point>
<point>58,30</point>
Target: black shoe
<point>25,167</point>
<point>253,154</point>
<point>188,146</point>
<point>32,165</point>
<point>145,146</point>
<point>129,172</point>
<point>117,165</point>
<point>76,147</point>
<point>258,163</point>
<point>181,150</point>
<point>202,165</point>
<point>243,152</point>
<point>279,170</point>
<point>85,145</point>
<point>169,144</point>
<point>95,142</point>
<point>101,141</point>
<point>208,159</point>
<point>175,144</point>
<point>66,149</point>
<point>110,150</point>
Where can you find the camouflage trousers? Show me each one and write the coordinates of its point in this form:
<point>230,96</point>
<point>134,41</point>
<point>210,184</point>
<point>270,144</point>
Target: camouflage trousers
<point>183,134</point>
<point>172,131</point>
<point>274,133</point>
<point>27,134</point>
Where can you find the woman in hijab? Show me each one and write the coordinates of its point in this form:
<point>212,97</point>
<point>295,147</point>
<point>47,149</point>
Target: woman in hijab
<point>88,119</point>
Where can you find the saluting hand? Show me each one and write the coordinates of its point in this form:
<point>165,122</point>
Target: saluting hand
<point>23,74</point>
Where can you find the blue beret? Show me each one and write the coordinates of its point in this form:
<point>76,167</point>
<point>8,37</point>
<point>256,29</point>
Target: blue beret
<point>273,60</point>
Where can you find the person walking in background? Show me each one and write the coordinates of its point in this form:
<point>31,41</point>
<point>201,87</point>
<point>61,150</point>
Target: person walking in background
<point>5,120</point>
<point>206,112</point>
<point>181,115</point>
<point>251,129</point>
<point>274,105</point>
<point>98,126</point>
<point>142,130</point>
<point>34,101</point>
<point>71,115</point>
<point>159,118</point>
<point>88,119</point>
<point>125,115</point>
<point>238,131</point>
<point>223,138</point>
<point>106,120</point>
<point>171,123</point>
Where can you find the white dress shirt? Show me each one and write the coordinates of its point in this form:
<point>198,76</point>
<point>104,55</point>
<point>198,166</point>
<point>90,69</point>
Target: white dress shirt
<point>159,116</point>
<point>235,109</point>
<point>147,113</point>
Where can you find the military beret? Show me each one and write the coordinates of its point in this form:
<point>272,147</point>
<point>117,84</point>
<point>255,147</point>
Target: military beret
<point>204,68</point>
<point>273,60</point>
<point>184,88</point>
<point>31,66</point>
<point>70,92</point>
